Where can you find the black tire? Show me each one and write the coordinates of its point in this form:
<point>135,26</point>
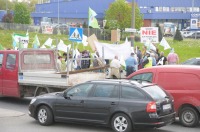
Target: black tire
<point>45,116</point>
<point>189,117</point>
<point>124,126</point>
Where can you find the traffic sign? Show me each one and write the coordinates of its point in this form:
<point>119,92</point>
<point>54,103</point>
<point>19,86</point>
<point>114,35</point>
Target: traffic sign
<point>76,34</point>
<point>132,30</point>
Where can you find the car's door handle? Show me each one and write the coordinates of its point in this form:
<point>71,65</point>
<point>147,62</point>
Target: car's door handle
<point>113,103</point>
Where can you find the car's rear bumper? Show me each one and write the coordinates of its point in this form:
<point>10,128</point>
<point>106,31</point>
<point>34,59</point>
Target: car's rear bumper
<point>159,121</point>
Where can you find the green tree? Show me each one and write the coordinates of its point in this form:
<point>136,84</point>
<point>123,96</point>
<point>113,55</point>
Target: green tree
<point>22,13</point>
<point>119,15</point>
<point>178,35</point>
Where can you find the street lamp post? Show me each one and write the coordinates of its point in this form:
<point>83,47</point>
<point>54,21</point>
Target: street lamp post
<point>133,22</point>
<point>104,24</point>
<point>58,17</point>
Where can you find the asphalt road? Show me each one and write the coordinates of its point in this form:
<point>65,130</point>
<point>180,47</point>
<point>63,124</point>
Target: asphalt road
<point>24,123</point>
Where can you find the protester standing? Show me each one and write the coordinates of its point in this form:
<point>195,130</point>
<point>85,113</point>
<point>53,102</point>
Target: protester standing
<point>172,57</point>
<point>59,63</point>
<point>147,61</point>
<point>115,68</point>
<point>130,64</point>
<point>85,63</point>
<point>153,59</point>
<point>162,60</point>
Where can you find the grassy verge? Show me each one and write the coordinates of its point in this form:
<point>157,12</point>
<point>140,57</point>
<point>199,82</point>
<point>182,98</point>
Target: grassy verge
<point>186,49</point>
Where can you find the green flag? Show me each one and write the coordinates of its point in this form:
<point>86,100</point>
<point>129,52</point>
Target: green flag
<point>36,42</point>
<point>20,41</point>
<point>92,21</point>
<point>1,47</point>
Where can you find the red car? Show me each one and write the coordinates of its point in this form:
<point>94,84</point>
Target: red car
<point>182,82</point>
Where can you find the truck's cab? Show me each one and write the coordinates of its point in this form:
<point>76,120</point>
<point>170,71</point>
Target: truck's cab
<point>9,73</point>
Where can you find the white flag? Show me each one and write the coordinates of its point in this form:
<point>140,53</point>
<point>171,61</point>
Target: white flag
<point>84,41</point>
<point>48,42</point>
<point>122,61</point>
<point>126,40</point>
<point>43,47</point>
<point>165,44</point>
<point>150,46</point>
<point>53,46</point>
<point>63,47</point>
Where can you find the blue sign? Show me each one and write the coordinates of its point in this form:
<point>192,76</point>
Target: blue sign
<point>76,34</point>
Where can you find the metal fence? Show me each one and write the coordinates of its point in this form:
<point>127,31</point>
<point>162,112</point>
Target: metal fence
<point>102,34</point>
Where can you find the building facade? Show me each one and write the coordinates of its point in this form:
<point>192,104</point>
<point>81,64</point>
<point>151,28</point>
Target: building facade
<point>179,12</point>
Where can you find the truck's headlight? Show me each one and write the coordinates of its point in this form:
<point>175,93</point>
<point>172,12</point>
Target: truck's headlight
<point>33,100</point>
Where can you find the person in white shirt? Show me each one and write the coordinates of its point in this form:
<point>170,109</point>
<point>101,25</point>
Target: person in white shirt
<point>115,68</point>
<point>59,63</point>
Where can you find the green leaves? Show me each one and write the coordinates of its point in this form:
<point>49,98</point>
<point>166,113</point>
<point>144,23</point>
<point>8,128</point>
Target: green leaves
<point>119,15</point>
<point>22,13</point>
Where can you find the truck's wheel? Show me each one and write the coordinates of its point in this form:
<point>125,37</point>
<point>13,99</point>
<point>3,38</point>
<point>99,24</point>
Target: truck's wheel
<point>189,117</point>
<point>45,116</point>
<point>121,123</point>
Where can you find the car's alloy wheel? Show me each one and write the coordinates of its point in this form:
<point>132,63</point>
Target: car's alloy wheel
<point>44,115</point>
<point>121,123</point>
<point>189,117</point>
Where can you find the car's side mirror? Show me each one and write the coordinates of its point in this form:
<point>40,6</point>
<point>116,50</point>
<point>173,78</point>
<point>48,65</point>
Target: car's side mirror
<point>66,96</point>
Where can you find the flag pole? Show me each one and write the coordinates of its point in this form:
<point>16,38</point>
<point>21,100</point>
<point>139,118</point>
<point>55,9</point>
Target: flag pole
<point>88,21</point>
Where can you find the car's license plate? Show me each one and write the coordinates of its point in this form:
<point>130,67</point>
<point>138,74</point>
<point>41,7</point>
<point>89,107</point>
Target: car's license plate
<point>167,107</point>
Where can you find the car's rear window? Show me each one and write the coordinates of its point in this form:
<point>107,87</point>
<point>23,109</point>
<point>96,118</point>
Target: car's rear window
<point>155,92</point>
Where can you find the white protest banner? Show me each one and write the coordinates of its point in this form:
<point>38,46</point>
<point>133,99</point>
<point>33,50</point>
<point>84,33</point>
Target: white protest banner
<point>149,34</point>
<point>111,50</point>
<point>47,29</point>
<point>165,44</point>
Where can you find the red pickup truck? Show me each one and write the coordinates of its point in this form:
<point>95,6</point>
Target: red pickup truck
<point>32,72</point>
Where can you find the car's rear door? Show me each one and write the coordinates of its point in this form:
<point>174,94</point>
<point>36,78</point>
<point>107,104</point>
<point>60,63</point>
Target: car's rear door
<point>133,101</point>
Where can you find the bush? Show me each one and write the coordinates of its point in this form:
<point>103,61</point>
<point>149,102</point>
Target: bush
<point>178,35</point>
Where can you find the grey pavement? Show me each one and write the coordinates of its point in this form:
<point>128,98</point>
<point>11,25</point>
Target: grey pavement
<point>9,113</point>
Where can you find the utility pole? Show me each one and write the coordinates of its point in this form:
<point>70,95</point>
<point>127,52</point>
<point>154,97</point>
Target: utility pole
<point>6,6</point>
<point>58,30</point>
<point>58,10</point>
<point>133,22</point>
<point>192,6</point>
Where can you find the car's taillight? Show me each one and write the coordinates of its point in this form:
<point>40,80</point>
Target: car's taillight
<point>151,107</point>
